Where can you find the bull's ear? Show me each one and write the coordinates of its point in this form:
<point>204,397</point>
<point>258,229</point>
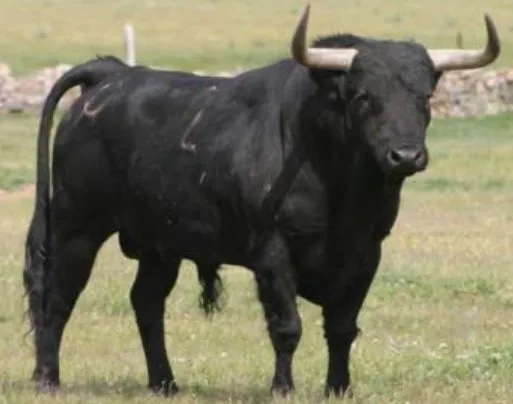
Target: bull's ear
<point>330,81</point>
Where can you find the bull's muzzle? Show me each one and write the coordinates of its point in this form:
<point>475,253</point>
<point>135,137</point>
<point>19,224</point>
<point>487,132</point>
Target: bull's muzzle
<point>406,160</point>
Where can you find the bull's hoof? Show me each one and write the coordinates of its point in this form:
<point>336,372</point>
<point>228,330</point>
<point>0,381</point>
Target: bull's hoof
<point>36,375</point>
<point>282,391</point>
<point>338,392</point>
<point>46,382</point>
<point>47,387</point>
<point>166,389</point>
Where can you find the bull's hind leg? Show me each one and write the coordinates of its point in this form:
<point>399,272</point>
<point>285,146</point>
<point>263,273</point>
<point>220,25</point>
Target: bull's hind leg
<point>155,280</point>
<point>277,293</point>
<point>72,257</point>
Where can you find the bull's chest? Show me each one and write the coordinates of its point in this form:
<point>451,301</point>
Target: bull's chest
<point>333,257</point>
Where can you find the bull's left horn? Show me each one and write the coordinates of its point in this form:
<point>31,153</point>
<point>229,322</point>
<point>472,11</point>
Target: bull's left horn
<point>455,59</point>
<point>321,58</point>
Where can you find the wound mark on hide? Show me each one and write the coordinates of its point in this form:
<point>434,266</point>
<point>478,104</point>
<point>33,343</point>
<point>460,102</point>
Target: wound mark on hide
<point>202,178</point>
<point>187,145</point>
<point>90,110</point>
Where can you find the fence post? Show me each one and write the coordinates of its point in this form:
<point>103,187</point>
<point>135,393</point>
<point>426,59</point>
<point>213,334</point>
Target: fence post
<point>459,40</point>
<point>128,37</point>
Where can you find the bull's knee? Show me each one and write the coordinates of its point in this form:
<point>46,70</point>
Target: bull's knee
<point>286,331</point>
<point>342,336</point>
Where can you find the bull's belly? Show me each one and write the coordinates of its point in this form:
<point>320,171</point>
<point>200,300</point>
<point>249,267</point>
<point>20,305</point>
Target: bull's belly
<point>200,236</point>
<point>190,239</point>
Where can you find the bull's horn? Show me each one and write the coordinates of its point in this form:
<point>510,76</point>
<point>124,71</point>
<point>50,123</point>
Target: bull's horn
<point>454,59</point>
<point>322,58</point>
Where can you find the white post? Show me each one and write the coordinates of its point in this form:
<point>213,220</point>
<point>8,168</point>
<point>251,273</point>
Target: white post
<point>128,36</point>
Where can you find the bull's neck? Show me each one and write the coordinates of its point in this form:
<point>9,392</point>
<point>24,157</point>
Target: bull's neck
<point>353,180</point>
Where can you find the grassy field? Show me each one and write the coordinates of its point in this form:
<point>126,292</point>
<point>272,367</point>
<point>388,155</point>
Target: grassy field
<point>215,34</point>
<point>436,325</point>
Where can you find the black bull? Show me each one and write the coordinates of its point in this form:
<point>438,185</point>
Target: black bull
<point>293,170</point>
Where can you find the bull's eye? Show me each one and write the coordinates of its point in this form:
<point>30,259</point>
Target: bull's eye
<point>363,100</point>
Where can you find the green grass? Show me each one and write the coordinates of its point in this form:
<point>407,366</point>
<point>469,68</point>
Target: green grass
<point>215,34</point>
<point>17,145</point>
<point>436,325</point>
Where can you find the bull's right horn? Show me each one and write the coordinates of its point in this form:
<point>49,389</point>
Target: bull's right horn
<point>321,58</point>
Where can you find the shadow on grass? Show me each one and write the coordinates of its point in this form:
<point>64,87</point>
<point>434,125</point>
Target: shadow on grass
<point>130,388</point>
<point>240,392</point>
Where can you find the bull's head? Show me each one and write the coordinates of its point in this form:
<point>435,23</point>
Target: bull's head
<point>385,87</point>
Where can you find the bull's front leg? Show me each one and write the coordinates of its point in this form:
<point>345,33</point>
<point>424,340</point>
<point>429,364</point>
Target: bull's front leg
<point>340,319</point>
<point>277,293</point>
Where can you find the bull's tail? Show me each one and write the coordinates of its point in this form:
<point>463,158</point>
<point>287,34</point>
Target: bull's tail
<point>212,288</point>
<point>37,245</point>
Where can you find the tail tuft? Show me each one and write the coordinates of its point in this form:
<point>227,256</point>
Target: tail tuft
<point>34,272</point>
<point>212,288</point>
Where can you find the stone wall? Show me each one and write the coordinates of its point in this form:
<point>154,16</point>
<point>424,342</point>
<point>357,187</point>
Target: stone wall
<point>473,93</point>
<point>27,93</point>
<point>459,94</point>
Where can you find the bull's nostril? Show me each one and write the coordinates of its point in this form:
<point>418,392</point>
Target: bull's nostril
<point>418,155</point>
<point>394,156</point>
